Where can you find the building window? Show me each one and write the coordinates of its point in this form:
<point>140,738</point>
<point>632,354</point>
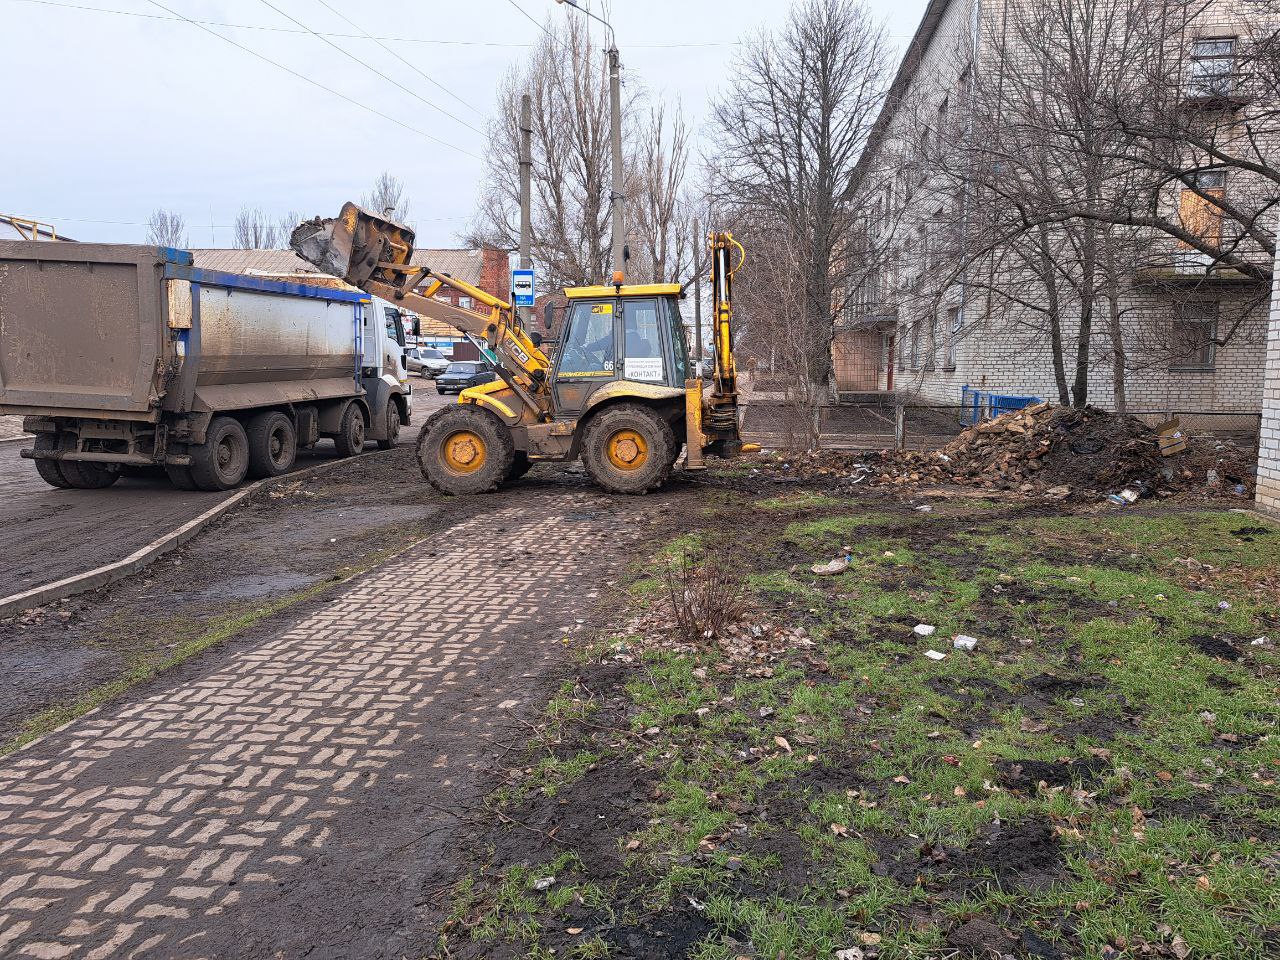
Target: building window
<point>953,334</point>
<point>464,303</point>
<point>1195,325</point>
<point>902,352</point>
<point>1199,208</point>
<point>943,122</point>
<point>931,348</point>
<point>915,345</point>
<point>1213,68</point>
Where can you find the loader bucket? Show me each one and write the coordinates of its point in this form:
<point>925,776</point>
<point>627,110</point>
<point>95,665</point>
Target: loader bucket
<point>354,244</point>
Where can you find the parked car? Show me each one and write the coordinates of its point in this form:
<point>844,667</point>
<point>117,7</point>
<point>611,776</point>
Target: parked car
<point>464,373</point>
<point>426,361</point>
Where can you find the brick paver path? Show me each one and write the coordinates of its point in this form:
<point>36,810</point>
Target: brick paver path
<point>291,794</point>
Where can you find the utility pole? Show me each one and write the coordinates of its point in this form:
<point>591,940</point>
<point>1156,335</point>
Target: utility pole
<point>615,134</point>
<point>615,131</point>
<point>526,177</point>
<point>697,294</point>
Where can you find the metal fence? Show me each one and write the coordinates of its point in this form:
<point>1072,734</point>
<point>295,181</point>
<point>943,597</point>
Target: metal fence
<point>979,405</point>
<point>884,422</point>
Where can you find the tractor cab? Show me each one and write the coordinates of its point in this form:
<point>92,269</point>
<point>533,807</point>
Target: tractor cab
<point>632,334</point>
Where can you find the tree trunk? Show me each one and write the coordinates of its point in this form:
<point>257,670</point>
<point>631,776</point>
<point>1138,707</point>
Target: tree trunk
<point>1088,287</point>
<point>1054,306</point>
<point>1118,358</point>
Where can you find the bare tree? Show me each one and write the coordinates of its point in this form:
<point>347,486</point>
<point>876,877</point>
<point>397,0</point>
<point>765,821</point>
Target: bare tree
<point>388,198</point>
<point>165,228</point>
<point>571,175</point>
<point>793,124</point>
<point>255,231</point>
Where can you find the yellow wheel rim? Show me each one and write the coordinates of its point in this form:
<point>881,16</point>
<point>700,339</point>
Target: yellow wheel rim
<point>464,452</point>
<point>627,450</point>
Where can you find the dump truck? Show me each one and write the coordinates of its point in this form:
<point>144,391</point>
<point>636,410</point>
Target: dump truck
<point>120,356</point>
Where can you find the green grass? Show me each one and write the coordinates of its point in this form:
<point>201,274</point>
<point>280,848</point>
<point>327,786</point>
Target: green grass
<point>899,767</point>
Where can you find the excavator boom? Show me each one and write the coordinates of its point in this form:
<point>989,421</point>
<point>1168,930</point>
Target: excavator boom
<point>376,255</point>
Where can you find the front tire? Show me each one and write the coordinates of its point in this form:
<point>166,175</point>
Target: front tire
<point>629,448</point>
<point>464,450</point>
<point>222,461</point>
<point>350,438</point>
<point>273,444</point>
<point>393,426</point>
<point>520,465</point>
<point>181,477</point>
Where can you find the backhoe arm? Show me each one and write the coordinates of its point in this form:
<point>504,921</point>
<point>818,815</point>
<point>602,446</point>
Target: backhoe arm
<point>374,254</point>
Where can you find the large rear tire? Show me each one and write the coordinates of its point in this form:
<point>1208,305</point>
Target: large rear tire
<point>273,444</point>
<point>520,465</point>
<point>393,425</point>
<point>50,470</point>
<point>350,438</point>
<point>181,477</point>
<point>463,450</point>
<point>222,461</point>
<point>629,448</point>
<point>89,476</point>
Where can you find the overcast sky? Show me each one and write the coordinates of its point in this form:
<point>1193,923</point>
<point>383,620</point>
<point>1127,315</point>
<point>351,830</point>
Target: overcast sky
<point>112,114</point>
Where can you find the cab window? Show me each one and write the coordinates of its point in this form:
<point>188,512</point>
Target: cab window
<point>588,345</point>
<point>642,341</point>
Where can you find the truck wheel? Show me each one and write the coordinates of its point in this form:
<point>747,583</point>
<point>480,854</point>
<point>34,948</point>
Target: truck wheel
<point>627,448</point>
<point>273,444</point>
<point>350,438</point>
<point>222,461</point>
<point>181,477</point>
<point>520,464</point>
<point>393,425</point>
<point>50,470</point>
<point>89,476</point>
<point>464,450</point>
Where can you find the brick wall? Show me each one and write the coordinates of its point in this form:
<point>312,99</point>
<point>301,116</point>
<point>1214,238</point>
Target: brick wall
<point>1269,454</point>
<point>495,274</point>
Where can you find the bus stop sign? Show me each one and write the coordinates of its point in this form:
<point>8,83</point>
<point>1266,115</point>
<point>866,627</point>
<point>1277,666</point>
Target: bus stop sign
<point>522,287</point>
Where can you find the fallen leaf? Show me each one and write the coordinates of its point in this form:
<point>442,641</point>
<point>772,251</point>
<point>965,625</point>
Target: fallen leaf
<point>901,779</point>
<point>1202,884</point>
<point>1164,775</point>
<point>869,939</point>
<point>782,742</point>
<point>633,844</point>
<point>1181,949</point>
<point>839,829</point>
<point>574,930</point>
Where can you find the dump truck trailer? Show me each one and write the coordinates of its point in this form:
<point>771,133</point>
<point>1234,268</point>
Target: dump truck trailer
<point>120,356</point>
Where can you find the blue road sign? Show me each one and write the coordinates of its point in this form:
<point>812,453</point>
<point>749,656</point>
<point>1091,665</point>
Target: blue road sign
<point>522,287</point>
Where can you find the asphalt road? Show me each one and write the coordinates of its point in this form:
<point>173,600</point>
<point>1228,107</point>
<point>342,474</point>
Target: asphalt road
<point>47,534</point>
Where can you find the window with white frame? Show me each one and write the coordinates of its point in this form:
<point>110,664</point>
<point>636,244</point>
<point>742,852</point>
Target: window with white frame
<point>1212,71</point>
<point>931,348</point>
<point>915,345</point>
<point>1195,326</point>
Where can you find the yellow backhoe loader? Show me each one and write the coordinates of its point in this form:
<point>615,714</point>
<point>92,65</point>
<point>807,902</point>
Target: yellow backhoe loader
<point>621,392</point>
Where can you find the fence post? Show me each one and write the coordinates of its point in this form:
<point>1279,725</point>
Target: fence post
<point>900,426</point>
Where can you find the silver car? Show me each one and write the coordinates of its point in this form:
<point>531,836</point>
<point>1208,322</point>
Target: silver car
<point>426,361</point>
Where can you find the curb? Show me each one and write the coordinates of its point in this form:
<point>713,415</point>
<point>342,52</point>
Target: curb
<point>139,559</point>
<point>24,436</point>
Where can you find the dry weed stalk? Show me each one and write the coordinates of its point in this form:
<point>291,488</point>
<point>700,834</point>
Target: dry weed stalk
<point>706,599</point>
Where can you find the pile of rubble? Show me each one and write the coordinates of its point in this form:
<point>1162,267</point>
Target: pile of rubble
<point>1040,448</point>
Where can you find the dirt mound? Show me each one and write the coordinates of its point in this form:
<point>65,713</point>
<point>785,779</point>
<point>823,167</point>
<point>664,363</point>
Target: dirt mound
<point>1039,448</point>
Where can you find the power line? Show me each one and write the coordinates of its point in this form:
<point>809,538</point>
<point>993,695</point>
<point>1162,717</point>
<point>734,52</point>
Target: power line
<point>316,83</point>
<point>541,26</point>
<point>217,226</point>
<point>370,67</point>
<point>251,26</point>
<point>411,66</point>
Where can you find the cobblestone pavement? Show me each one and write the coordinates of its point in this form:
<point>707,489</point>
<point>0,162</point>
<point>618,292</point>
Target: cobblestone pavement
<point>294,796</point>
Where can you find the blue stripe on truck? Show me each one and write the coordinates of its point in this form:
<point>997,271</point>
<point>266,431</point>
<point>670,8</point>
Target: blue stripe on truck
<point>175,271</point>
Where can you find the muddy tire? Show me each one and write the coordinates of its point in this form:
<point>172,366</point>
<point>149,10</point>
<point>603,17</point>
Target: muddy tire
<point>181,477</point>
<point>222,461</point>
<point>393,425</point>
<point>50,470</point>
<point>520,464</point>
<point>89,476</point>
<point>464,450</point>
<point>350,438</point>
<point>629,448</point>
<point>273,444</point>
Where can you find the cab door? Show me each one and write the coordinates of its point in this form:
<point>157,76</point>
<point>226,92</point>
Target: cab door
<point>588,354</point>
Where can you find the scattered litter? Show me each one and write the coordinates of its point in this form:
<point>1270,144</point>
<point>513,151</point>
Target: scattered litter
<point>838,565</point>
<point>1260,642</point>
<point>923,630</point>
<point>850,953</point>
<point>925,508</point>
<point>543,883</point>
<point>935,655</point>
<point>964,642</point>
<point>1223,605</point>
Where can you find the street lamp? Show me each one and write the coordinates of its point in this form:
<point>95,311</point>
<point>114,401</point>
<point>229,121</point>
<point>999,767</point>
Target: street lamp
<point>615,133</point>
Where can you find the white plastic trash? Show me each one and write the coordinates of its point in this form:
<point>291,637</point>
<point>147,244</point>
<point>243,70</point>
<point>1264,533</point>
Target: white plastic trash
<point>935,655</point>
<point>963,642</point>
<point>924,630</point>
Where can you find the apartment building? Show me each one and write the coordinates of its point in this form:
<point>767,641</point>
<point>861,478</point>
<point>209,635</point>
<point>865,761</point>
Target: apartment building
<point>936,310</point>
